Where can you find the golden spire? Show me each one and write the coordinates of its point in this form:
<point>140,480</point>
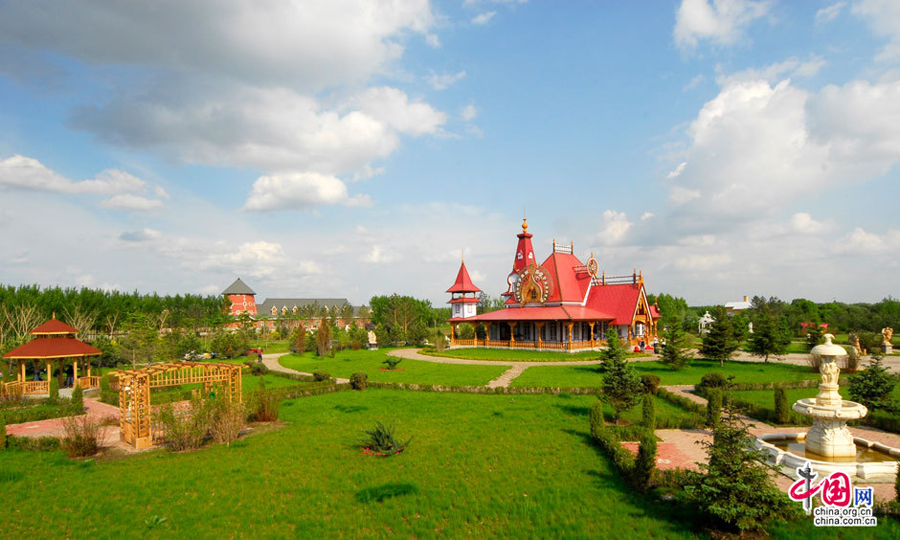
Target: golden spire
<point>524,225</point>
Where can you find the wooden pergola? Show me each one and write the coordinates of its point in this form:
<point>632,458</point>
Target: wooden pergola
<point>54,341</point>
<point>135,418</point>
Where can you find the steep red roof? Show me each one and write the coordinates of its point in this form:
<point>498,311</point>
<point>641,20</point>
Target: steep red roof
<point>569,285</point>
<point>620,301</point>
<point>54,326</point>
<point>46,347</point>
<point>550,313</point>
<point>463,282</point>
<point>654,312</point>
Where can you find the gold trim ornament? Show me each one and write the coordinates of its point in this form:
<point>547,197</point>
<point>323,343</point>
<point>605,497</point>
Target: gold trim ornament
<point>533,285</point>
<point>593,267</point>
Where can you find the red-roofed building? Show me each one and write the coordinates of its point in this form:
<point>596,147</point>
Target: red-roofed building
<point>463,306</point>
<point>561,304</point>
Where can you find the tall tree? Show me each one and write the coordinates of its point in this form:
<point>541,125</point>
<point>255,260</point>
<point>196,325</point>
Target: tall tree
<point>621,387</point>
<point>719,343</point>
<point>676,353</point>
<point>769,337</point>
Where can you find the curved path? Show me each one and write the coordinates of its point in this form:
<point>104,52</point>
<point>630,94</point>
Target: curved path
<point>271,361</point>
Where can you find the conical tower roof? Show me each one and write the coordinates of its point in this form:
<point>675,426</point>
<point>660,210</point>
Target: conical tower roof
<point>463,282</point>
<point>238,287</point>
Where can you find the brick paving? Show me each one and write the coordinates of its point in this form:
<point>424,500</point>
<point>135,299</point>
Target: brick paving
<point>109,435</point>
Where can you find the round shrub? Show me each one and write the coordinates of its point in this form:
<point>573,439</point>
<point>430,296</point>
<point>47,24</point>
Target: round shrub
<point>650,383</point>
<point>714,380</point>
<point>321,375</point>
<point>359,381</point>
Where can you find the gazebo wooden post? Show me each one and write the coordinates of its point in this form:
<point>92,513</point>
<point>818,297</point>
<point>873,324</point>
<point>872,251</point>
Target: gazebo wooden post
<point>49,373</point>
<point>21,375</point>
<point>452,333</point>
<point>74,372</point>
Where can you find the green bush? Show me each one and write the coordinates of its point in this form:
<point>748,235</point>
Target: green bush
<point>713,379</point>
<point>77,402</point>
<point>265,405</point>
<point>392,362</point>
<point>226,420</point>
<point>650,383</point>
<point>382,442</point>
<point>681,401</point>
<point>597,422</point>
<point>257,368</point>
<point>648,412</point>
<point>81,436</point>
<point>713,407</point>
<point>321,375</point>
<point>359,381</point>
<point>30,444</point>
<point>645,463</point>
<point>782,408</point>
<point>104,383</point>
<point>54,389</point>
<point>2,433</point>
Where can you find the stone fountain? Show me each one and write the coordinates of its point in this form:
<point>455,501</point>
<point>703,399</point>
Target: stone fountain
<point>829,446</point>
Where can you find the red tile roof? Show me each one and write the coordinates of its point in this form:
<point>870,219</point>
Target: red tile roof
<point>57,347</point>
<point>549,313</point>
<point>463,282</point>
<point>54,326</point>
<point>568,285</point>
<point>620,301</point>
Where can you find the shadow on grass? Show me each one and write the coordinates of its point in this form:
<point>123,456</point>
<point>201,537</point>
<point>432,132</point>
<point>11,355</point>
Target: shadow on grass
<point>574,410</point>
<point>385,491</point>
<point>350,408</point>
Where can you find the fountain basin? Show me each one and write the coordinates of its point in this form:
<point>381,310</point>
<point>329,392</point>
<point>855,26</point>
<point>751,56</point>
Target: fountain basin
<point>872,460</point>
<point>847,410</point>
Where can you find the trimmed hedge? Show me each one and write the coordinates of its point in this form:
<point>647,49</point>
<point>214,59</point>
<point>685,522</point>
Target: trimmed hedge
<point>31,444</point>
<point>485,389</point>
<point>33,414</point>
<point>681,401</point>
<point>359,381</point>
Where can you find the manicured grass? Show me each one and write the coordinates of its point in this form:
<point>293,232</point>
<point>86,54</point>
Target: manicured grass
<point>517,355</point>
<point>478,466</point>
<point>345,363</point>
<point>581,376</point>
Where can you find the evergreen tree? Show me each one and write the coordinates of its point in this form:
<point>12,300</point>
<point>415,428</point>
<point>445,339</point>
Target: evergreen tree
<point>719,343</point>
<point>645,462</point>
<point>676,353</point>
<point>736,487</point>
<point>621,387</point>
<point>782,408</point>
<point>713,406</point>
<point>814,335</point>
<point>77,399</point>
<point>873,386</point>
<point>769,336</point>
<point>648,412</point>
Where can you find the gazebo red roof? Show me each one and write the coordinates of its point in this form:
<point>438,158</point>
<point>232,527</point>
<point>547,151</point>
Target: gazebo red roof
<point>54,327</point>
<point>463,282</point>
<point>46,347</point>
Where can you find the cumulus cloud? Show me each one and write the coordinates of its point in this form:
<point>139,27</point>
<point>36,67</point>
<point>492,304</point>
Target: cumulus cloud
<point>756,147</point>
<point>297,191</point>
<point>702,263</point>
<point>483,18</point>
<point>127,201</point>
<point>803,223</point>
<point>723,22</point>
<point>862,242</point>
<point>28,173</point>
<point>393,107</point>
<point>378,255</point>
<point>615,226</point>
<point>140,235</point>
<point>694,82</point>
<point>468,113</point>
<point>675,173</point>
<point>792,67</point>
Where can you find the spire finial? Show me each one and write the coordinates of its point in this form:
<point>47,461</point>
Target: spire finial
<point>463,256</point>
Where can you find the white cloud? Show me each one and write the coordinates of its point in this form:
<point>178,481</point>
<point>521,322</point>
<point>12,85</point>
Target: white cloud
<point>756,147</point>
<point>884,18</point>
<point>127,201</point>
<point>468,113</point>
<point>394,108</point>
<point>697,240</point>
<point>210,290</point>
<point>433,41</point>
<point>677,171</point>
<point>803,223</point>
<point>378,255</point>
<point>160,192</point>
<point>723,22</point>
<point>445,80</point>
<point>22,172</point>
<point>296,191</point>
<point>311,44</point>
<point>830,13</point>
<point>615,226</point>
<point>367,172</point>
<point>789,68</point>
<point>694,82</point>
<point>861,242</point>
<point>702,263</point>
<point>647,215</point>
<point>140,235</point>
<point>483,18</point>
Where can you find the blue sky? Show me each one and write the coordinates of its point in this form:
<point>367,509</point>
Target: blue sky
<point>349,148</point>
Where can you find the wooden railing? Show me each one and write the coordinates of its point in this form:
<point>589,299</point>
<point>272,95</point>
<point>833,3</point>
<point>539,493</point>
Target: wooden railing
<point>92,381</point>
<point>532,345</point>
<point>26,388</point>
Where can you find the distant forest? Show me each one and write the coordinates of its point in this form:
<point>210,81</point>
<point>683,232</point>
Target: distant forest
<point>839,316</point>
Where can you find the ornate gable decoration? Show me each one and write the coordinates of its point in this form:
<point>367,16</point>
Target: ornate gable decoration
<point>533,285</point>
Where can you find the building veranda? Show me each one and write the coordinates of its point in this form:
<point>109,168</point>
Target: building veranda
<point>560,304</point>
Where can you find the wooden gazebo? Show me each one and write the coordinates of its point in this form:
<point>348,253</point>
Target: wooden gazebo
<point>135,416</point>
<point>53,341</point>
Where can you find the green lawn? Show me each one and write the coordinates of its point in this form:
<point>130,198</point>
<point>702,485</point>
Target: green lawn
<point>581,376</point>
<point>478,466</point>
<point>516,355</point>
<point>345,363</point>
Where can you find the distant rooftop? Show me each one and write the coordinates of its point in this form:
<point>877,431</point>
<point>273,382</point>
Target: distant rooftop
<point>238,287</point>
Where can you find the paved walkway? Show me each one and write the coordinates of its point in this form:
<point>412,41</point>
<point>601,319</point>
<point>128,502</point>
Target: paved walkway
<point>271,362</point>
<point>54,427</point>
